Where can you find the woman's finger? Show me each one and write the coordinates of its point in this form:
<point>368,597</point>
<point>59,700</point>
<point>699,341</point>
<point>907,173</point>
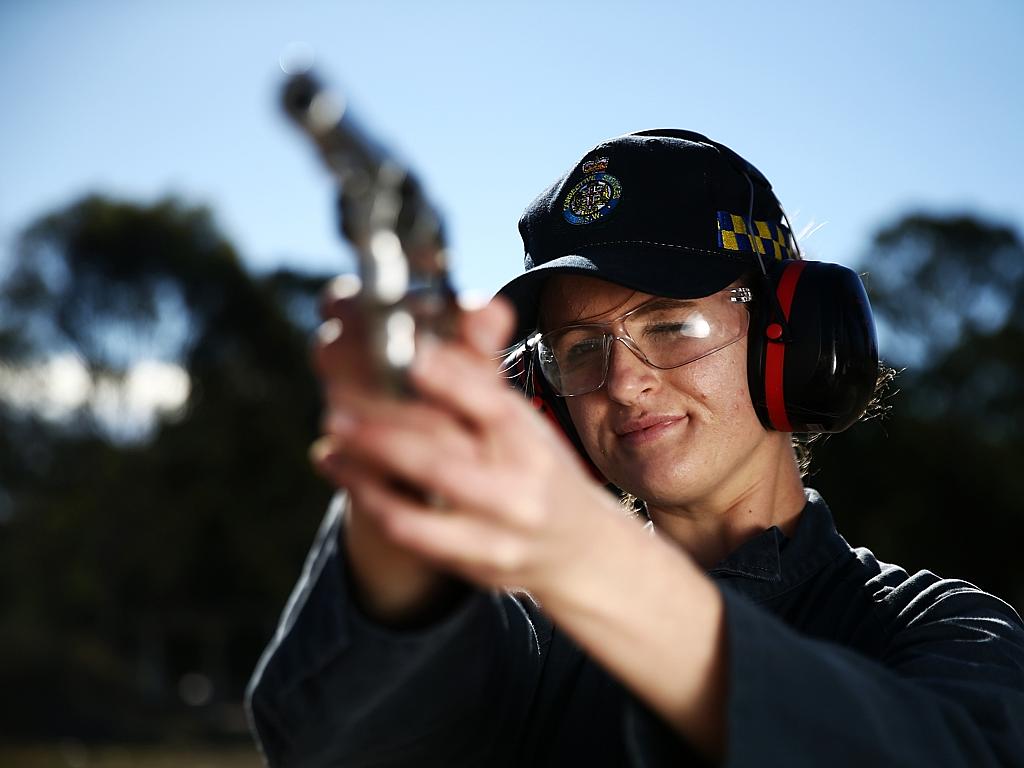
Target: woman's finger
<point>464,384</point>
<point>448,538</point>
<point>338,296</point>
<point>486,329</point>
<point>450,463</point>
<point>338,467</point>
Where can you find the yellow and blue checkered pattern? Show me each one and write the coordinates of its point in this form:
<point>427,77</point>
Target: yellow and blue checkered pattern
<point>768,238</point>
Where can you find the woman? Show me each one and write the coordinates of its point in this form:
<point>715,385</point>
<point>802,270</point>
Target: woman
<point>478,597</point>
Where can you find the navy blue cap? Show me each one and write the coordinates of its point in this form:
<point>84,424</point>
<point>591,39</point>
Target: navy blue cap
<point>663,212</point>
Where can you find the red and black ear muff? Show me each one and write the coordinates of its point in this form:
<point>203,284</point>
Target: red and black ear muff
<point>813,356</point>
<point>554,408</point>
<point>521,368</point>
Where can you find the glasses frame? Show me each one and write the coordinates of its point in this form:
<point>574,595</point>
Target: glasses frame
<point>616,331</point>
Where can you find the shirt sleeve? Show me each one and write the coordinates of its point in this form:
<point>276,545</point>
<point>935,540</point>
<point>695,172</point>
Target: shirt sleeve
<point>948,690</point>
<point>652,743</point>
<point>333,688</point>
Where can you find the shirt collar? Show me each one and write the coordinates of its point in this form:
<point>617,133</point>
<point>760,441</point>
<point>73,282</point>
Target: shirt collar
<point>770,563</point>
<point>757,558</point>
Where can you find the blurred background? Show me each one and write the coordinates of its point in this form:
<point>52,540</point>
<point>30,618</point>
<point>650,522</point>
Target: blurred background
<point>164,233</point>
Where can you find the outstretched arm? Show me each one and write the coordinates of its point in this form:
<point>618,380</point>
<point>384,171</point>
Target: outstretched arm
<point>520,511</point>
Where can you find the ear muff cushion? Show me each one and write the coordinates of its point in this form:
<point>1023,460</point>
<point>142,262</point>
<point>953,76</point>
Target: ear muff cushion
<point>555,409</point>
<point>819,374</point>
<point>524,374</point>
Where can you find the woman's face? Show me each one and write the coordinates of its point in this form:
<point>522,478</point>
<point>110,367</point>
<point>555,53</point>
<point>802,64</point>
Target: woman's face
<point>675,437</point>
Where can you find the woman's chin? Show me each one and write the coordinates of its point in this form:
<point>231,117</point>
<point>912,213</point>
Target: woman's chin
<point>661,487</point>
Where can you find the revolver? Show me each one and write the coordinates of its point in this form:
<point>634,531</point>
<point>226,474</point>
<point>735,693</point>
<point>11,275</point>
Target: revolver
<point>395,231</point>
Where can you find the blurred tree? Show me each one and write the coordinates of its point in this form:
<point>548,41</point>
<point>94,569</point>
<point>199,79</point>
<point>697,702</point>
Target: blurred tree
<point>934,484</point>
<point>934,278</point>
<point>128,565</point>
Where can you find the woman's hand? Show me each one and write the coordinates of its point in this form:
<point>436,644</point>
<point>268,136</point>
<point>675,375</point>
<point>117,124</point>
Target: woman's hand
<point>503,500</point>
<point>391,584</point>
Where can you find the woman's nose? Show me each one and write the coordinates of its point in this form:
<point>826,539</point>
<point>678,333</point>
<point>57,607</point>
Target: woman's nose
<point>629,377</point>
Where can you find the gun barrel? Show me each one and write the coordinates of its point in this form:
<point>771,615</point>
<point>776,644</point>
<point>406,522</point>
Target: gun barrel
<point>325,116</point>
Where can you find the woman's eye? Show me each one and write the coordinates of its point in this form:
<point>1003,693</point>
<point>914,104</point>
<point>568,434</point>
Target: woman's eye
<point>585,348</point>
<point>671,329</point>
<point>693,328</point>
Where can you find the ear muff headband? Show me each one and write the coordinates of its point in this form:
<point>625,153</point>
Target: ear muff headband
<point>775,349</point>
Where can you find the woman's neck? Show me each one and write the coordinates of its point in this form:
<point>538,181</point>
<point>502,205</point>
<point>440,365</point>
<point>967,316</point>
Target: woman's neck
<point>710,528</point>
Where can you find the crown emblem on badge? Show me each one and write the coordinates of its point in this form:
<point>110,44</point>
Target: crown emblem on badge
<point>594,196</point>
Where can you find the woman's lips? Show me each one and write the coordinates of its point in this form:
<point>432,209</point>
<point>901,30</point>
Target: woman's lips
<point>651,431</point>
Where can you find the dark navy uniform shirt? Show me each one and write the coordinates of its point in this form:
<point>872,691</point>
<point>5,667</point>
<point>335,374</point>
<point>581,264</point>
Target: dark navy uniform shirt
<point>834,659</point>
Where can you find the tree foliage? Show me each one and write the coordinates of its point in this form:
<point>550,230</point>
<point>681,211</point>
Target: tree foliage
<point>934,484</point>
<point>933,279</point>
<point>129,565</point>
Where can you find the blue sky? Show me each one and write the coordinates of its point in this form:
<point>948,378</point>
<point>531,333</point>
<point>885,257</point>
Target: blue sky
<point>856,112</point>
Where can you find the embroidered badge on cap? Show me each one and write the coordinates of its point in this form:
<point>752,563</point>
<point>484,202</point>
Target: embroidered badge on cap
<point>768,238</point>
<point>594,196</point>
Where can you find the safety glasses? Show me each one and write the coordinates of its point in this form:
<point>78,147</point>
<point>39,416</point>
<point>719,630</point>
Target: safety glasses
<point>664,333</point>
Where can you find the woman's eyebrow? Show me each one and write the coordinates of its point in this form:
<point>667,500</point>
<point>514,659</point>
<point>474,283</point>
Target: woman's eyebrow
<point>593,319</point>
<point>662,303</point>
<point>653,305</point>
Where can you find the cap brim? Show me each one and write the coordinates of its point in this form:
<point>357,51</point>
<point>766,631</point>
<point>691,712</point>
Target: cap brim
<point>659,270</point>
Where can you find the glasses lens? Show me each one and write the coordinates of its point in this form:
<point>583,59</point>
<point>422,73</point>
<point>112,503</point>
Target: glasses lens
<point>666,334</point>
<point>573,359</point>
<point>673,334</point>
